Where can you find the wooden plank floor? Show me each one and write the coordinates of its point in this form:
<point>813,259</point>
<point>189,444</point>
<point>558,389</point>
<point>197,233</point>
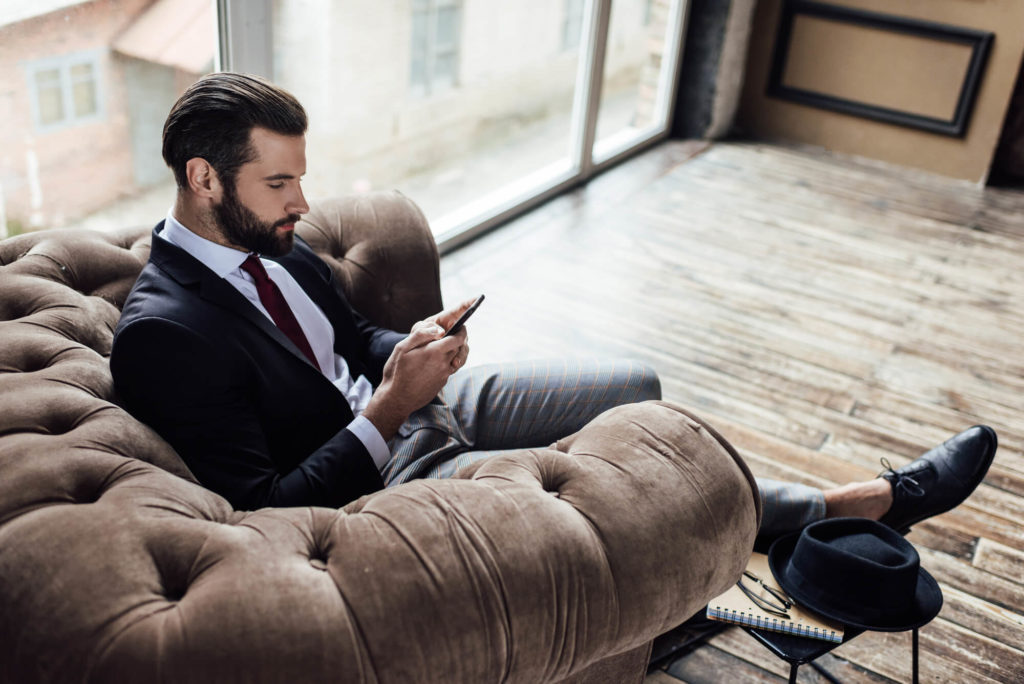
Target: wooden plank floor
<point>822,312</point>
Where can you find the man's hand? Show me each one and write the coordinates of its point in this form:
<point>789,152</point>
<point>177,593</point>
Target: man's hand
<point>417,370</point>
<point>447,319</point>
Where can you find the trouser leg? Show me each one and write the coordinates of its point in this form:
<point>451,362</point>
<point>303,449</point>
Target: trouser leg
<point>788,506</point>
<point>488,409</point>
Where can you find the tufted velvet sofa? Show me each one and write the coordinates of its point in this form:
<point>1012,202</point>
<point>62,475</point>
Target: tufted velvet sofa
<point>556,564</point>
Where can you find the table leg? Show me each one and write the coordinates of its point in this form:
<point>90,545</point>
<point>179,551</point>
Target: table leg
<point>915,655</point>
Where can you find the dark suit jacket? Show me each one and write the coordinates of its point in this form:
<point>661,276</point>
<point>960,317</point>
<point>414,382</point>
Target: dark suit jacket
<point>250,415</point>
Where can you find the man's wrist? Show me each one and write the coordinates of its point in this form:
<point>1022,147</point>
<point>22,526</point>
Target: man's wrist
<point>383,413</point>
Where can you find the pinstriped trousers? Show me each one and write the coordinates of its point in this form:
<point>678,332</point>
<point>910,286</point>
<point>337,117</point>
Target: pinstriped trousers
<point>490,409</point>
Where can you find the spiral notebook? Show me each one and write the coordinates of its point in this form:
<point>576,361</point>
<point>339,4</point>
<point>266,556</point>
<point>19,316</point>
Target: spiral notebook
<point>734,606</point>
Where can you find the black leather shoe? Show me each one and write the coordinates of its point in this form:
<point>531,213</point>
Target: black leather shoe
<point>941,479</point>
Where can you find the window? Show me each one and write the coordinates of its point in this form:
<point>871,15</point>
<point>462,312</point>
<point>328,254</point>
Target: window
<point>65,90</point>
<point>476,109</point>
<point>516,100</point>
<point>634,89</point>
<point>435,45</point>
<point>572,27</point>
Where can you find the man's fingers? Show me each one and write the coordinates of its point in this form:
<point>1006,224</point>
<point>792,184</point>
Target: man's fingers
<point>423,333</point>
<point>460,336</point>
<point>448,317</point>
<point>432,336</point>
<point>459,360</point>
<point>429,324</point>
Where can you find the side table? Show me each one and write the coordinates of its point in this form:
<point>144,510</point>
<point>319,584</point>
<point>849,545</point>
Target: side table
<point>798,651</point>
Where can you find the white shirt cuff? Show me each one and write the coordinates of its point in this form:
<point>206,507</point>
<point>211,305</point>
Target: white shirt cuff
<point>367,433</point>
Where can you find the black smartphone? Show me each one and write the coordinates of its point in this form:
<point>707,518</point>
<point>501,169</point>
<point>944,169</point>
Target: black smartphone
<point>457,326</point>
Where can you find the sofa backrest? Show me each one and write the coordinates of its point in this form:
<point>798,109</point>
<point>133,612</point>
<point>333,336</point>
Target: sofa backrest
<point>60,298</point>
<point>61,292</point>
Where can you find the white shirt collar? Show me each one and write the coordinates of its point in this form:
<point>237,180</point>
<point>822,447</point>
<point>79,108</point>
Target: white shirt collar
<point>218,258</point>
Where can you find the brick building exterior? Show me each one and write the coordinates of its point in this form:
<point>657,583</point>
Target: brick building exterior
<point>72,139</point>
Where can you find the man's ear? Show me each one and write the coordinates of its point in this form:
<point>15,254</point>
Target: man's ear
<point>203,180</point>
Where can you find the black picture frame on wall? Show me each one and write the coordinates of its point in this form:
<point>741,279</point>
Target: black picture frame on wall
<point>980,42</point>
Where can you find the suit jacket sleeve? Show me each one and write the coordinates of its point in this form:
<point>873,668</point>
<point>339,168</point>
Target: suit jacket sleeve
<point>205,408</point>
<point>380,343</point>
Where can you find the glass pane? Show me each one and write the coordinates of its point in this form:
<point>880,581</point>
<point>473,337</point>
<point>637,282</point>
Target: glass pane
<point>572,27</point>
<point>418,72</point>
<point>83,90</point>
<point>639,36</point>
<point>50,97</point>
<point>447,27</point>
<point>92,83</point>
<point>420,41</point>
<point>491,122</point>
<point>444,70</point>
<point>81,72</point>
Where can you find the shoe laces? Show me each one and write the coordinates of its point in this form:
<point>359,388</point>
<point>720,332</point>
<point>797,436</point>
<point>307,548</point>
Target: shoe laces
<point>901,481</point>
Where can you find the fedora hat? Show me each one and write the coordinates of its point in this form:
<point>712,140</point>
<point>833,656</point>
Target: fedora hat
<point>858,572</point>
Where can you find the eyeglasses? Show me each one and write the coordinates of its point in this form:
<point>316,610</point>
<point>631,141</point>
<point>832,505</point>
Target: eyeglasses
<point>764,604</point>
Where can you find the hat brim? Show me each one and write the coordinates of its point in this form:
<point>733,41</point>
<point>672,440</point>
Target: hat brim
<point>926,605</point>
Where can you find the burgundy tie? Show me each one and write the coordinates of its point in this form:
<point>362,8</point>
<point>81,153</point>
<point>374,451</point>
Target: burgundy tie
<point>277,306</point>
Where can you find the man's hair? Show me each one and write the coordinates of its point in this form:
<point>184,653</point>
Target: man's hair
<point>214,117</point>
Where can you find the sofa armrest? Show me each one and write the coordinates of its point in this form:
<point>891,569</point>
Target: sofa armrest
<point>382,251</point>
<point>529,568</point>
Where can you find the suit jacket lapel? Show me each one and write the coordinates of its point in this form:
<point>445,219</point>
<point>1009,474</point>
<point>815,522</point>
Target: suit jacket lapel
<point>319,287</point>
<point>190,272</point>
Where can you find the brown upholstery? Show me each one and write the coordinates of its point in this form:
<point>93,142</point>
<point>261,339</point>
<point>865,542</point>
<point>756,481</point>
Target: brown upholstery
<point>115,565</point>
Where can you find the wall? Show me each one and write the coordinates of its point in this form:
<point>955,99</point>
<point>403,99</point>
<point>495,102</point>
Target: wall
<point>969,157</point>
<point>711,75</point>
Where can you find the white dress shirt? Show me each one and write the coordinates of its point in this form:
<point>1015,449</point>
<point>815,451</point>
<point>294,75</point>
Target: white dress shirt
<point>227,264</point>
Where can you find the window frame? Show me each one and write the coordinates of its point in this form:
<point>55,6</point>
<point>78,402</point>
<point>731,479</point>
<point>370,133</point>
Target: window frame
<point>246,42</point>
<point>63,64</point>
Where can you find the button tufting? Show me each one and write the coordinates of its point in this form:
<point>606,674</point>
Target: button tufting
<point>318,563</point>
<point>174,595</point>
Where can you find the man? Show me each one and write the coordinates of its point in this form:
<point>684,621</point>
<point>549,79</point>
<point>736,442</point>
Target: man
<point>237,346</point>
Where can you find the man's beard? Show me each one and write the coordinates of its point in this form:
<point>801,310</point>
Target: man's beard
<point>244,228</point>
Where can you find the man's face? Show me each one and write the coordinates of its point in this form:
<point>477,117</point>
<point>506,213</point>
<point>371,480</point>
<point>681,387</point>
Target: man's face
<point>258,211</point>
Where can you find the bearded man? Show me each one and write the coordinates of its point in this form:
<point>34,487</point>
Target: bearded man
<point>238,347</point>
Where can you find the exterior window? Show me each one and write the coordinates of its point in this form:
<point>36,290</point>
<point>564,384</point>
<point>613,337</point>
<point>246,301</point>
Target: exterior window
<point>65,90</point>
<point>435,45</point>
<point>572,28</point>
<point>473,109</point>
